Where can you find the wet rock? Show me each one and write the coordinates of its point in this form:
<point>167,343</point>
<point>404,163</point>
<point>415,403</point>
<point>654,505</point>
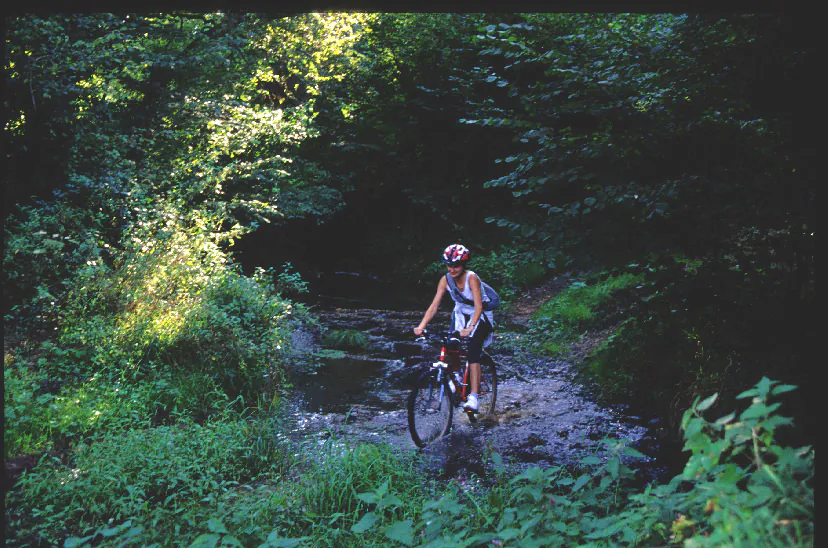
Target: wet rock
<point>411,361</point>
<point>534,439</point>
<point>404,349</point>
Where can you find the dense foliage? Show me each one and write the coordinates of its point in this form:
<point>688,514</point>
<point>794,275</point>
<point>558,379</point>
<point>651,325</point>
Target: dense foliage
<point>176,181</point>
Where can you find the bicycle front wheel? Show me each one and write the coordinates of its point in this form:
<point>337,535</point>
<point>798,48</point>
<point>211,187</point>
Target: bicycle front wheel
<point>429,410</point>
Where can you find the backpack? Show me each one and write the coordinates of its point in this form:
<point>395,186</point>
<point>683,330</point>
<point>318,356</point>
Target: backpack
<point>486,290</point>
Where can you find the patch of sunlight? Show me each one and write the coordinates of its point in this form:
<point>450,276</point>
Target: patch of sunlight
<point>165,286</point>
<point>15,125</point>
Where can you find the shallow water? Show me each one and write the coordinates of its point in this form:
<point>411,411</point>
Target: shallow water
<point>542,418</point>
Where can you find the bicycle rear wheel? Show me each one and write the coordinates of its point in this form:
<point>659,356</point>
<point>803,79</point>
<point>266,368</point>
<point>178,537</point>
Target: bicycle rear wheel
<point>430,410</point>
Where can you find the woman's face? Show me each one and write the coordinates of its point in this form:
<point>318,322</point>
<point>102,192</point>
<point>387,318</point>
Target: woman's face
<point>455,270</point>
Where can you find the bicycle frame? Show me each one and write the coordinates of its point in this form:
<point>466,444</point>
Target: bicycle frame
<point>450,361</point>
<point>453,358</point>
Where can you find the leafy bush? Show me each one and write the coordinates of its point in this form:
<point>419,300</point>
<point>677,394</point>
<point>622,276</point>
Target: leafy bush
<point>707,324</point>
<point>26,411</point>
<point>740,487</point>
<point>163,480</point>
<point>289,282</point>
<point>172,301</point>
<point>168,328</point>
<point>44,245</point>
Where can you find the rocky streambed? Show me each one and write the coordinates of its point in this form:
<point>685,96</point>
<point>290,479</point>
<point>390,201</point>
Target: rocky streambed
<point>543,417</point>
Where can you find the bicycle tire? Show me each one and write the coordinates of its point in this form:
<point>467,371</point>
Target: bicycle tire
<point>429,411</point>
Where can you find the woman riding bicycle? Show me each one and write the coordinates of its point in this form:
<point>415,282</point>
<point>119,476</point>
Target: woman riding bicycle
<point>470,320</point>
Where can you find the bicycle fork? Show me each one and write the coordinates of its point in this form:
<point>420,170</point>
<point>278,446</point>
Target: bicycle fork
<point>440,367</point>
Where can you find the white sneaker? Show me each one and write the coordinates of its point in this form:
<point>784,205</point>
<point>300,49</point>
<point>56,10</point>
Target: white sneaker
<point>471,404</point>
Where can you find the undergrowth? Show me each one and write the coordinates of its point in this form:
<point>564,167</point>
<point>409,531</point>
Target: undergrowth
<point>217,485</point>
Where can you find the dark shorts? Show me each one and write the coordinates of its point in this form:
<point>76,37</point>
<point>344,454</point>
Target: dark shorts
<point>476,342</point>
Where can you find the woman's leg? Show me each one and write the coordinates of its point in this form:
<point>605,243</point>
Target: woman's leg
<point>474,375</point>
<point>474,357</point>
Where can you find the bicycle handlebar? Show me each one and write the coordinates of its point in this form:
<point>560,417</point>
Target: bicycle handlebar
<point>443,336</point>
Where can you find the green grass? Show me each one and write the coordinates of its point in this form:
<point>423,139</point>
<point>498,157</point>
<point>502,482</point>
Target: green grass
<point>329,353</point>
<point>579,302</point>
<point>559,321</point>
<point>345,339</point>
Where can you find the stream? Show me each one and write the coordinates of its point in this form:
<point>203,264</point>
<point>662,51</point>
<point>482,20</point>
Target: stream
<point>543,417</point>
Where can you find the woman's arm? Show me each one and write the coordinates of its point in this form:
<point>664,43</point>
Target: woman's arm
<point>433,308</point>
<point>474,285</point>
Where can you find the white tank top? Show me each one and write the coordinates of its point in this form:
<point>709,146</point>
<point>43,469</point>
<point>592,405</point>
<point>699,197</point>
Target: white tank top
<point>461,308</point>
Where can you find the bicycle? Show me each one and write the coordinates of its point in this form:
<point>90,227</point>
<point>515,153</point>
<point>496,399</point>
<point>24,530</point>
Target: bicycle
<point>444,385</point>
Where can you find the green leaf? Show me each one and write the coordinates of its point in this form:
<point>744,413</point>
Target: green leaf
<point>369,498</point>
<point>389,500</point>
<point>782,388</point>
<point>707,402</point>
<point>366,522</point>
<point>74,542</point>
<point>401,531</point>
<point>726,419</point>
<point>747,394</point>
<point>558,526</point>
<point>612,466</point>
<point>111,532</point>
<point>216,526</point>
<point>631,452</point>
<point>581,482</point>
<point>274,541</point>
<point>508,533</point>
<point>764,386</point>
<point>206,540</point>
<point>758,410</point>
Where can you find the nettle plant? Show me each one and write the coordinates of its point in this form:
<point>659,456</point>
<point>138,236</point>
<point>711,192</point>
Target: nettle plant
<point>746,489</point>
<point>739,488</point>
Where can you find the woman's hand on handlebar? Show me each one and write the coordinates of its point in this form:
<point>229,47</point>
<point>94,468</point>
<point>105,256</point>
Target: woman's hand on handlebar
<point>465,332</point>
<point>419,331</point>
